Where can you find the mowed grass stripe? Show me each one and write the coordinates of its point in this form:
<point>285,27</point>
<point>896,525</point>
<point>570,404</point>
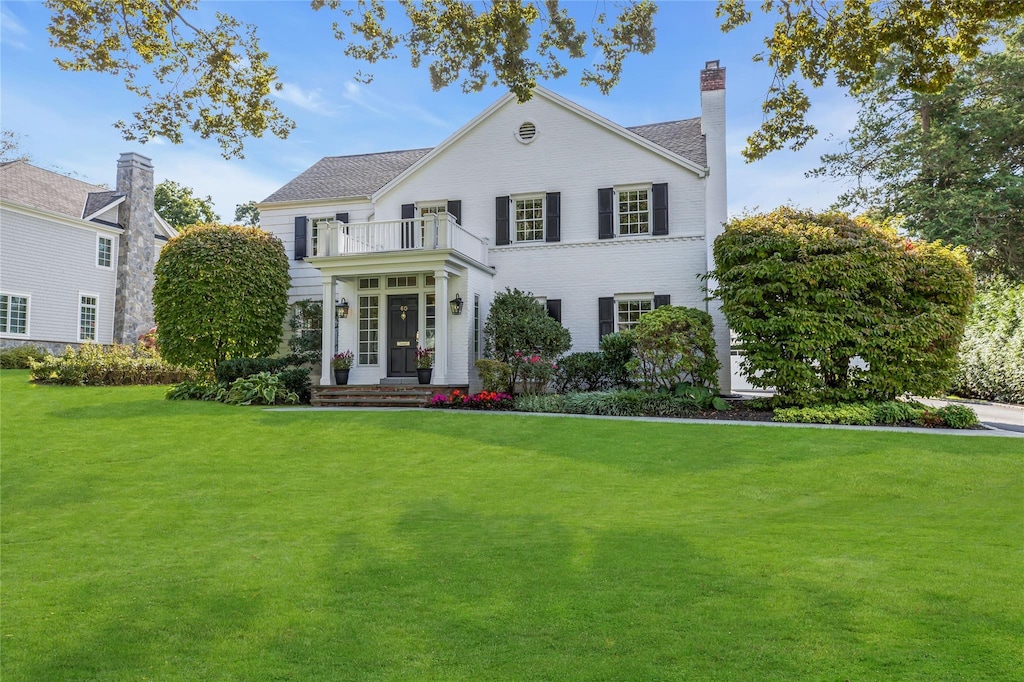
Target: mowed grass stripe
<point>147,539</point>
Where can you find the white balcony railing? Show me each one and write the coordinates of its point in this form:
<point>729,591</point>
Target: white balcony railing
<point>441,231</point>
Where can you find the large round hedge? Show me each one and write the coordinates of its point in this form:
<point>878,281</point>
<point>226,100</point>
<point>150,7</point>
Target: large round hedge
<point>808,295</point>
<point>221,292</point>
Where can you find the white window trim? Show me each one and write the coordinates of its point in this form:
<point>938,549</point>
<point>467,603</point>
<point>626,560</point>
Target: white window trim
<point>650,208</point>
<point>638,296</point>
<point>381,301</point>
<point>513,223</point>
<point>78,319</point>
<point>28,315</point>
<point>441,205</point>
<point>113,258</point>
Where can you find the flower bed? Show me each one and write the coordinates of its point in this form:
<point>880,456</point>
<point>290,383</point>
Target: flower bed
<point>484,400</point>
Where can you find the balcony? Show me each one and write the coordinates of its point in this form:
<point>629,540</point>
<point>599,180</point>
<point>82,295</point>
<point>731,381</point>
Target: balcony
<point>429,233</point>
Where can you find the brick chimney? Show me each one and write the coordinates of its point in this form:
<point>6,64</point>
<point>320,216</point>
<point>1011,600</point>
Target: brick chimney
<point>133,301</point>
<point>712,124</point>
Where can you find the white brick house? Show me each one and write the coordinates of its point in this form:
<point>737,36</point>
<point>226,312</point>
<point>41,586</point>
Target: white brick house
<point>601,222</point>
<point>76,259</point>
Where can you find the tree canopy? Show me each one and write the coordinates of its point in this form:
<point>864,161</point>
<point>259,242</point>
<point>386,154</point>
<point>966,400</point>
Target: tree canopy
<point>180,207</point>
<point>218,81</point>
<point>949,165</point>
<point>247,214</point>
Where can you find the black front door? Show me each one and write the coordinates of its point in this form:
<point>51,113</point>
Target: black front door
<point>403,324</point>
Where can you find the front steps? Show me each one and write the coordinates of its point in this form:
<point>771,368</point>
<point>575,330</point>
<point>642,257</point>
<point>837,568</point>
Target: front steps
<point>402,395</point>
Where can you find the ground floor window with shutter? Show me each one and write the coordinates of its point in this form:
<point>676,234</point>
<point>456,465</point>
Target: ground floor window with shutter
<point>529,218</point>
<point>629,309</point>
<point>369,329</point>
<point>87,317</point>
<point>13,314</point>
<point>634,210</point>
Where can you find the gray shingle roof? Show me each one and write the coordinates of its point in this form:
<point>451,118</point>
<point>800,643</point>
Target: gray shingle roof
<point>335,177</point>
<point>682,137</point>
<point>24,183</point>
<point>98,201</point>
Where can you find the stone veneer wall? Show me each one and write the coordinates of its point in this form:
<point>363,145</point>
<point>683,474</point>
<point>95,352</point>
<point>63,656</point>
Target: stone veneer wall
<point>133,304</point>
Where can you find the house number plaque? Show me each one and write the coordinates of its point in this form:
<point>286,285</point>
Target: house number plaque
<point>403,308</point>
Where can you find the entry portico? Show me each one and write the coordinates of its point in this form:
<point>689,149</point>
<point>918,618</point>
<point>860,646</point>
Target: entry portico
<point>399,279</point>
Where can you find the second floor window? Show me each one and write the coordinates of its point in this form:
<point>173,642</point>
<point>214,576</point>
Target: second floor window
<point>528,213</point>
<point>104,252</point>
<point>634,211</point>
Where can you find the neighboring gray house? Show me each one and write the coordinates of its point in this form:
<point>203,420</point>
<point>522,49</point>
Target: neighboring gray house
<point>602,223</point>
<point>76,259</point>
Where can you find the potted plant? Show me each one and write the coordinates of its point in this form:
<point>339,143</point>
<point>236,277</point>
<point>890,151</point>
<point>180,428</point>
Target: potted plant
<point>424,364</point>
<point>341,363</point>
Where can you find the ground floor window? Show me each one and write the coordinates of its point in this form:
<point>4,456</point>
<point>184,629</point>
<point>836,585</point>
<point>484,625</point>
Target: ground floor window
<point>429,320</point>
<point>629,310</point>
<point>13,314</point>
<point>87,318</point>
<point>369,330</point>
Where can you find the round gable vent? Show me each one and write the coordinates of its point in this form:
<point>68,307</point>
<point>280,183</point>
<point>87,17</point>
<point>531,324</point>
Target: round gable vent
<point>526,132</point>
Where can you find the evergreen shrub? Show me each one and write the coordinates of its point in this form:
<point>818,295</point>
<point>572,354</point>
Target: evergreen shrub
<point>21,357</point>
<point>990,365</point>
<point>116,365</point>
<point>673,345</point>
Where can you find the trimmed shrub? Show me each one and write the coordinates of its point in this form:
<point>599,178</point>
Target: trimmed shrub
<point>517,323</point>
<point>807,293</point>
<point>237,368</point>
<point>21,357</point>
<point>885,413</point>
<point>260,389</point>
<point>116,365</point>
<point>220,292</point>
<point>673,345</point>
<point>990,365</point>
<point>540,403</point>
<point>582,372</point>
<point>495,374</point>
<point>617,350</point>
<point>296,380</point>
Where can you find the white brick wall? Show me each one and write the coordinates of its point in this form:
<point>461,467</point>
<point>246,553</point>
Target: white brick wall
<point>51,263</point>
<point>571,155</point>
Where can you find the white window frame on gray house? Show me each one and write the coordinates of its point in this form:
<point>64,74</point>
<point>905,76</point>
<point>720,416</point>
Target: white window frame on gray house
<point>631,219</point>
<point>629,308</point>
<point>7,314</point>
<point>84,309</point>
<point>104,254</point>
<point>528,212</point>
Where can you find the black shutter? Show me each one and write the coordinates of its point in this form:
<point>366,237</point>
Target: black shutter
<point>455,208</point>
<point>605,216</point>
<point>501,221</point>
<point>408,235</point>
<point>555,308</point>
<point>662,299</point>
<point>606,316</point>
<point>553,217</point>
<point>660,203</point>
<point>342,218</point>
<point>300,237</point>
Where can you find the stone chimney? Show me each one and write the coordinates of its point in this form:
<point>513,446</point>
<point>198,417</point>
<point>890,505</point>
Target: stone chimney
<point>712,124</point>
<point>133,302</point>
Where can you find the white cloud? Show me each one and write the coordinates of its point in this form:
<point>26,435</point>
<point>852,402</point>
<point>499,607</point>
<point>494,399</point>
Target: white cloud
<point>390,108</point>
<point>310,100</point>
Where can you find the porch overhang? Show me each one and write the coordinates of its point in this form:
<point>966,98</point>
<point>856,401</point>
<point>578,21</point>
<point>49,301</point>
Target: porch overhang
<point>396,262</point>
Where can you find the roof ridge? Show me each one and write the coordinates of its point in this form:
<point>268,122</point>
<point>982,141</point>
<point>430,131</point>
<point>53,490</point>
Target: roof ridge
<point>393,151</point>
<point>661,123</point>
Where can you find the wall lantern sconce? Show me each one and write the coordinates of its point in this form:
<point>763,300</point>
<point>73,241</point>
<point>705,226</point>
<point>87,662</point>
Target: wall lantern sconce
<point>341,310</point>
<point>456,304</point>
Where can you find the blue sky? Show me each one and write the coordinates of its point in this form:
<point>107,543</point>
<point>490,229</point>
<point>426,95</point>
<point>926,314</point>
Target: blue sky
<point>65,119</point>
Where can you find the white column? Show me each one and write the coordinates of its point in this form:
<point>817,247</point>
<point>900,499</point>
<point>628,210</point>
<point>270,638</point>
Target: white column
<point>441,313</point>
<point>327,344</point>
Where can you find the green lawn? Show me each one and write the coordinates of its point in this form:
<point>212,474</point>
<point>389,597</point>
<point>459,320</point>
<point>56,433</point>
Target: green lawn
<point>152,540</point>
